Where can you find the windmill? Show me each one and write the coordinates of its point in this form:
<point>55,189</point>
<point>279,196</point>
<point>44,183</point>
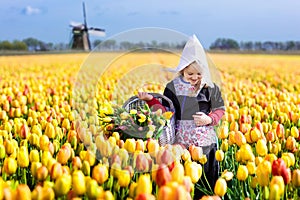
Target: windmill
<point>80,34</point>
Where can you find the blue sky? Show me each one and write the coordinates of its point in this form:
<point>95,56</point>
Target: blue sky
<point>256,20</point>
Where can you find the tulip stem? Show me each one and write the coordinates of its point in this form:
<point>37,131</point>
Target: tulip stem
<point>260,192</point>
<point>4,176</point>
<point>24,175</point>
<point>240,186</point>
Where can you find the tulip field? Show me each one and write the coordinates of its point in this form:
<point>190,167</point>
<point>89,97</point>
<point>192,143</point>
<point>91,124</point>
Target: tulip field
<point>59,138</point>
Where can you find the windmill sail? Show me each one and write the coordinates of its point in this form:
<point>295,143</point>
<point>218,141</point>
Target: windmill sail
<point>97,32</point>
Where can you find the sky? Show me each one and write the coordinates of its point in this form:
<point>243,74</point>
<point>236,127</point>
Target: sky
<point>255,20</point>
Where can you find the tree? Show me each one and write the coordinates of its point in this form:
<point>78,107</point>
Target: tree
<point>5,45</point>
<point>109,44</point>
<point>31,43</point>
<point>19,45</point>
<point>225,44</point>
<point>96,43</point>
<point>290,45</point>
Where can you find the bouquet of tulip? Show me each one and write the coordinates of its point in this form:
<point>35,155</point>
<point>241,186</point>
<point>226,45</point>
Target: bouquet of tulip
<point>140,123</point>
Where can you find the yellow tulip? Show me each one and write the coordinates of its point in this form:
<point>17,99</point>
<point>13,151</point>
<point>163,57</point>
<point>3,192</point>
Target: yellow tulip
<point>152,146</point>
<point>219,155</point>
<point>10,165</point>
<point>255,134</point>
<point>224,145</point>
<point>139,146</point>
<point>90,157</point>
<point>177,173</point>
<point>277,180</point>
<point>23,192</point>
<point>242,173</point>
<point>246,153</point>
<point>108,195</point>
<point>167,115</point>
<point>193,170</point>
<point>78,182</point>
<point>294,132</point>
<point>133,111</point>
<point>124,178</point>
<point>223,132</point>
<point>234,126</point>
<point>261,147</point>
<point>86,168</point>
<point>251,167</point>
<point>296,177</point>
<point>203,159</point>
<point>220,187</point>
<point>196,152</point>
<point>50,130</point>
<point>9,147</point>
<point>56,171</point>
<point>93,190</point>
<point>66,124</point>
<point>34,167</point>
<point>42,173</point>
<point>23,158</point>
<point>227,175</point>
<point>46,156</point>
<point>132,189</point>
<point>142,118</point>
<point>239,138</point>
<point>64,154</point>
<point>34,156</point>
<point>44,142</point>
<point>275,192</point>
<point>144,185</point>
<point>231,139</point>
<point>62,185</point>
<point>2,151</point>
<point>34,140</point>
<point>100,173</point>
<point>291,143</point>
<point>263,172</point>
<point>165,193</point>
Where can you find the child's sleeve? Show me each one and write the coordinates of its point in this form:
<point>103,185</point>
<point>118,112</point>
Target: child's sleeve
<point>155,105</point>
<point>217,105</point>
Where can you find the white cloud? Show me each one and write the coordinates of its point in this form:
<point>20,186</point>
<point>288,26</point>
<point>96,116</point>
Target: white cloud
<point>29,10</point>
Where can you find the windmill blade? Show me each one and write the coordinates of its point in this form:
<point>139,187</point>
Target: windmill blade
<point>84,14</point>
<point>97,32</point>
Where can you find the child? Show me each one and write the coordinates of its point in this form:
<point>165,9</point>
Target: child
<point>198,106</point>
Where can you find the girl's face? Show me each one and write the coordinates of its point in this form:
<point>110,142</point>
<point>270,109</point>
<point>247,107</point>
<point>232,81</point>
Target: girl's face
<point>191,74</point>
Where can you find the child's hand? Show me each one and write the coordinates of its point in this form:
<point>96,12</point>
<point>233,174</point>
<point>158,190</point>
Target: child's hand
<point>201,119</point>
<point>144,96</point>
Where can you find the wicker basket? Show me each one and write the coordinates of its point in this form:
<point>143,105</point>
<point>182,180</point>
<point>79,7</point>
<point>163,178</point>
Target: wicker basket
<point>168,134</point>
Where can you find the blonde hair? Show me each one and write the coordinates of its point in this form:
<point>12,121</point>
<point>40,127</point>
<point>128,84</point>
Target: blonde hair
<point>197,87</point>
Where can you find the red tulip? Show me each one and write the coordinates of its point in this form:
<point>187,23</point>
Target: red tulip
<point>279,169</point>
<point>278,166</point>
<point>163,175</point>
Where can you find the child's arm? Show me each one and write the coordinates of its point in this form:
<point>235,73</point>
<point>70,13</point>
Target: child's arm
<point>151,101</point>
<point>216,115</point>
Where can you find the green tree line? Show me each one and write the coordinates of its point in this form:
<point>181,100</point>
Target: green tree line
<point>33,44</point>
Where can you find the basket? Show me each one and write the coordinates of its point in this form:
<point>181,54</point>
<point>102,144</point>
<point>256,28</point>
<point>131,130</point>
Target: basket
<point>168,134</point>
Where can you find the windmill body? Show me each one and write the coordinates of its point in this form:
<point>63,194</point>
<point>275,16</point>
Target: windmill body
<point>80,34</point>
